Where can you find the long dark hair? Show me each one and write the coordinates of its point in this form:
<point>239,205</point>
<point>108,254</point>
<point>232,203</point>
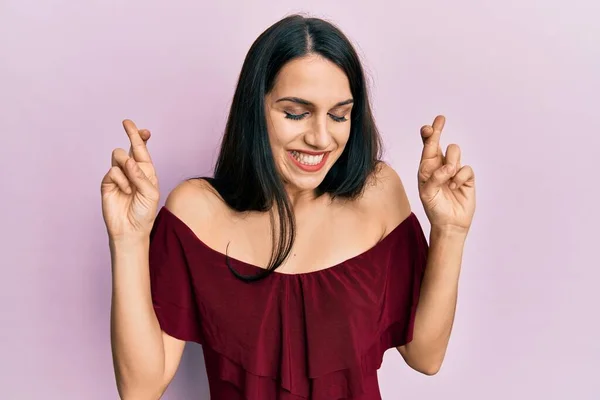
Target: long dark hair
<point>245,174</point>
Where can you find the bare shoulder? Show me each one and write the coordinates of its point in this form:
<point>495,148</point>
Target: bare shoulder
<point>196,203</point>
<point>385,197</point>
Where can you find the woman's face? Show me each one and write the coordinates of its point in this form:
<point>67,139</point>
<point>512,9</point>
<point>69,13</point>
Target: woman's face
<point>308,119</point>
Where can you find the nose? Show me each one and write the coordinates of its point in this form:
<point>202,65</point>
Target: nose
<point>319,137</point>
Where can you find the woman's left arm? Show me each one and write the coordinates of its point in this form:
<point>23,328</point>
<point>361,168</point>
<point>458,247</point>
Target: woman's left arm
<point>447,191</point>
<point>437,302</point>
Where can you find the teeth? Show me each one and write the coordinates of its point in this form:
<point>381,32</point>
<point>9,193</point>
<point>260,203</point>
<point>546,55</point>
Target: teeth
<point>307,159</point>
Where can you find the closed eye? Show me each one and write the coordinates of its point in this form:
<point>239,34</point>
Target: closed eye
<point>338,119</point>
<point>297,117</point>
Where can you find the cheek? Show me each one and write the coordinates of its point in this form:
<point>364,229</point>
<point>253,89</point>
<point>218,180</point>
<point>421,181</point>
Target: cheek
<point>341,134</point>
<point>281,133</point>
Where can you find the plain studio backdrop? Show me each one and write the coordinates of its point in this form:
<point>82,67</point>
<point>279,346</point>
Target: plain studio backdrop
<point>517,80</point>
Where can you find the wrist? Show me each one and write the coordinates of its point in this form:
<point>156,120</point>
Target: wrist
<point>129,254</point>
<point>129,242</point>
<point>447,232</point>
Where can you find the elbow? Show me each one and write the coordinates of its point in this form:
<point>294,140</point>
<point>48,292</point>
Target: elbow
<point>424,362</point>
<point>140,394</point>
<point>430,369</point>
<point>137,391</point>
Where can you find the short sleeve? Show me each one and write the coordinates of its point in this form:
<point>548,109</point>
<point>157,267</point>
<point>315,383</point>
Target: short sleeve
<point>420,252</point>
<point>408,260</point>
<point>171,284</point>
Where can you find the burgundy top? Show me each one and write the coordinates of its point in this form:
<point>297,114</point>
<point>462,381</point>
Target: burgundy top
<point>317,335</point>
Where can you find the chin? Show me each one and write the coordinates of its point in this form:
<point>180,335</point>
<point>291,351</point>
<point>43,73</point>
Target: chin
<point>305,183</point>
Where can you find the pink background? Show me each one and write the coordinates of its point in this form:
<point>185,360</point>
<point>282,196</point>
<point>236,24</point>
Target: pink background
<point>519,82</point>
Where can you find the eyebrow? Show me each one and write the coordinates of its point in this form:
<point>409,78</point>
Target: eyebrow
<point>308,103</point>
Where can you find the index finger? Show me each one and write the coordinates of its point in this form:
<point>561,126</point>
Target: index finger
<point>431,138</point>
<point>138,148</point>
<point>145,134</point>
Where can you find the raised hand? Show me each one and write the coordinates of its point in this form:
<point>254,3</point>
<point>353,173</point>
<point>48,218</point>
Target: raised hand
<point>446,189</point>
<point>130,191</point>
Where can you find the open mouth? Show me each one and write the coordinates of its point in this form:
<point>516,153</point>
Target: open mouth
<point>307,159</point>
<point>308,162</point>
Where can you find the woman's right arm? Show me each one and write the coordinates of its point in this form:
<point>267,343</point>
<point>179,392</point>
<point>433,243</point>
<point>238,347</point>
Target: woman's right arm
<point>145,358</point>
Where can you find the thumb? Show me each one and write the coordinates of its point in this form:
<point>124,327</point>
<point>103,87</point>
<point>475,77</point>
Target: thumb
<point>139,179</point>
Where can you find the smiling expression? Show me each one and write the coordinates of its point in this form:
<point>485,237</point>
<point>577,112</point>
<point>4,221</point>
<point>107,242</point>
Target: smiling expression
<point>308,120</point>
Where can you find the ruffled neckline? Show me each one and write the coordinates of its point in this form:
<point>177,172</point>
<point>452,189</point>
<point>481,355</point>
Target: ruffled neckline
<point>330,269</point>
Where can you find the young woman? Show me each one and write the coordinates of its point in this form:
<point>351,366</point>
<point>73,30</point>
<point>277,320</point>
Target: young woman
<point>300,261</point>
